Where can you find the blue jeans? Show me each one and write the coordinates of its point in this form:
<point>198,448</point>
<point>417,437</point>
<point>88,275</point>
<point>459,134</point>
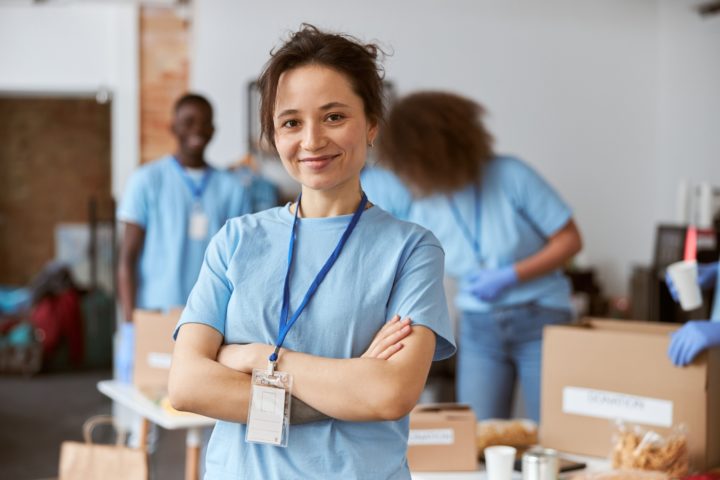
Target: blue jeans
<point>498,347</point>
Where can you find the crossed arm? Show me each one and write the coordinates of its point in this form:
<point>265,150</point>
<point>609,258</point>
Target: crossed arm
<point>383,384</point>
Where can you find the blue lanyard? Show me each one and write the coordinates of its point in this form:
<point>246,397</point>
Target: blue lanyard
<point>195,189</point>
<point>286,325</point>
<point>472,239</point>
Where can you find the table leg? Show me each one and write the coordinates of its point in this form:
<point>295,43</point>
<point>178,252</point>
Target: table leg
<point>193,441</point>
<point>144,429</point>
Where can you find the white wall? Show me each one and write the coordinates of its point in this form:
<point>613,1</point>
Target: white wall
<point>571,87</point>
<point>77,49</point>
<point>613,101</point>
<point>689,101</point>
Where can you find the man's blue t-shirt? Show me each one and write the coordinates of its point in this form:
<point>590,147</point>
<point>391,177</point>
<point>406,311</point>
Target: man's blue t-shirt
<point>518,212</point>
<point>387,267</point>
<point>159,199</point>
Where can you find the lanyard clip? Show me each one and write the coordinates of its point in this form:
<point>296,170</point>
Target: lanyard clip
<point>272,362</point>
<point>271,368</point>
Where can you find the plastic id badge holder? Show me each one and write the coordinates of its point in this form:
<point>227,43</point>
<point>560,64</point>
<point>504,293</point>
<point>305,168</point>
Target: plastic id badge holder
<point>199,223</point>
<point>269,412</point>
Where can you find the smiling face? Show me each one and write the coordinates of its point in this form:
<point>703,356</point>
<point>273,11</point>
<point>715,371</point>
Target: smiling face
<point>193,129</point>
<point>321,130</point>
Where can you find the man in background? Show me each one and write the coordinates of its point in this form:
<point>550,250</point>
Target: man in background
<point>170,210</point>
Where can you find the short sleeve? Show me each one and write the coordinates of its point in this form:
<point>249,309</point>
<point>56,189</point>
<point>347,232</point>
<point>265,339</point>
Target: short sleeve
<point>133,207</point>
<point>535,199</point>
<point>419,293</point>
<point>208,300</point>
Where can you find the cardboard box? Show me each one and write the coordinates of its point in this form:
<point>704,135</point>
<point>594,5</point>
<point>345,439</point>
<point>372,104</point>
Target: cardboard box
<point>607,370</point>
<point>153,350</point>
<point>442,438</point>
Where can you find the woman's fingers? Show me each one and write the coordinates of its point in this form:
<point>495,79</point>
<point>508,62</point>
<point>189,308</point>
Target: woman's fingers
<point>403,330</point>
<point>390,351</point>
<point>372,349</point>
<point>391,333</point>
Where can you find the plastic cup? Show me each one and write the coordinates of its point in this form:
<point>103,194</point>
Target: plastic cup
<point>684,277</point>
<point>499,462</point>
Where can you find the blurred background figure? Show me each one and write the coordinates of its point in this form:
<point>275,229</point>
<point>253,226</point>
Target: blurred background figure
<point>386,190</point>
<point>170,210</point>
<point>262,193</point>
<point>506,234</point>
<point>697,335</point>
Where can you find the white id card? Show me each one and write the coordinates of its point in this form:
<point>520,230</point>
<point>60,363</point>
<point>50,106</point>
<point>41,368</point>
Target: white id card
<point>199,224</point>
<point>269,412</point>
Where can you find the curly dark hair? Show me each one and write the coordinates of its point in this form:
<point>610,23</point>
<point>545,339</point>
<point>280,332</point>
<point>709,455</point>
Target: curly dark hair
<point>435,141</point>
<point>344,53</point>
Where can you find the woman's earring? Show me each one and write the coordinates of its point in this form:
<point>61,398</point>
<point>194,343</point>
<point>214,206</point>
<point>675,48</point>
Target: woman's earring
<point>371,144</point>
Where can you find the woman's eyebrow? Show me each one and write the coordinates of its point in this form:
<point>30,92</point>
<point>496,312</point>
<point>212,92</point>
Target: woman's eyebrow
<point>327,106</point>
<point>332,105</point>
<point>285,113</point>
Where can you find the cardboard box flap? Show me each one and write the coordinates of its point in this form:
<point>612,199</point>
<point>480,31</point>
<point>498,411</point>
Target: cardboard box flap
<point>629,326</point>
<point>441,407</point>
<point>442,411</point>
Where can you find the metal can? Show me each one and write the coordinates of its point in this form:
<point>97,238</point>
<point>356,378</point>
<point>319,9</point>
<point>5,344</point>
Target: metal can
<point>540,464</point>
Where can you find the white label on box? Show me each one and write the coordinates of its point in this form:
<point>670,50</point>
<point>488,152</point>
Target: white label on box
<point>159,360</point>
<point>432,436</point>
<point>613,405</point>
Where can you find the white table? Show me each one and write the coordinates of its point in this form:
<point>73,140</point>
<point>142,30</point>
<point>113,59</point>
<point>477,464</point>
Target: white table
<point>130,397</point>
<point>594,464</point>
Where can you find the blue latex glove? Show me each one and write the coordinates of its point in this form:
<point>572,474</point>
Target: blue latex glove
<point>487,284</point>
<point>126,352</point>
<point>691,339</point>
<point>707,277</point>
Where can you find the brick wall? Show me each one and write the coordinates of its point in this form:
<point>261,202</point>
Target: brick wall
<point>54,156</point>
<point>164,73</point>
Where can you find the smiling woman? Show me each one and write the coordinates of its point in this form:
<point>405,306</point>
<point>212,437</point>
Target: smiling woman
<point>351,359</point>
<point>321,134</point>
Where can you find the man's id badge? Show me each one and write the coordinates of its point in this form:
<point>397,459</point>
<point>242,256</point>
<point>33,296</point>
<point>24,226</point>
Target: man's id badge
<point>269,412</point>
<point>199,224</point>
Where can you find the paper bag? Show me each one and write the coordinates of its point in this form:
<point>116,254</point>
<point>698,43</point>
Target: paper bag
<point>90,461</point>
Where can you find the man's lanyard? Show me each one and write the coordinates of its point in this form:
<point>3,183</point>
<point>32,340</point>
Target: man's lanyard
<point>195,189</point>
<point>472,239</point>
<point>286,325</point>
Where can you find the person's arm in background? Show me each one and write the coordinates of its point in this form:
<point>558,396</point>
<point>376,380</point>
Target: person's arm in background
<point>541,206</point>
<point>204,370</point>
<point>561,247</point>
<point>130,248</point>
<point>694,337</point>
<point>488,284</point>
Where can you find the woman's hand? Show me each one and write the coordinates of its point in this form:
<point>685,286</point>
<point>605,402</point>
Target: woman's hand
<point>244,358</point>
<point>388,340</point>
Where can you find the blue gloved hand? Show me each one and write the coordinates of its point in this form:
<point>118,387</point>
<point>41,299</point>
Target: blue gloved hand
<point>487,284</point>
<point>126,352</point>
<point>707,277</point>
<point>694,337</point>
